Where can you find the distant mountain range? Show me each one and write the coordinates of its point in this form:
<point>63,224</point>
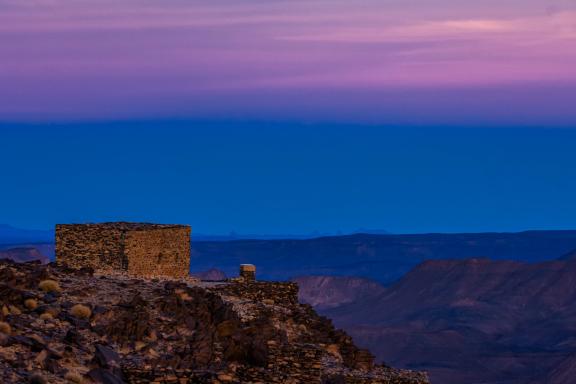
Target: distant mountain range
<point>312,235</point>
<point>12,235</point>
<point>381,257</point>
<point>465,321</point>
<point>384,258</point>
<point>23,254</point>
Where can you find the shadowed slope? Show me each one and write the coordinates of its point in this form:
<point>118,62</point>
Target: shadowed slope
<point>325,292</point>
<point>23,254</point>
<point>473,320</point>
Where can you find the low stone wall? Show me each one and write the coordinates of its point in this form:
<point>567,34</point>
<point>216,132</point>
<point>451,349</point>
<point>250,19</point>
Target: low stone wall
<point>287,364</point>
<point>143,375</point>
<point>278,293</point>
<point>94,246</point>
<point>385,376</point>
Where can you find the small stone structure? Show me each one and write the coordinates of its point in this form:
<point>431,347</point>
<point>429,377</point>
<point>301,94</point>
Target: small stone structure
<point>248,272</point>
<point>139,249</point>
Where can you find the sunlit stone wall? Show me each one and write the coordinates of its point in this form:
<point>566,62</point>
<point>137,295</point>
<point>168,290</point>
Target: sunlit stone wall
<point>139,249</point>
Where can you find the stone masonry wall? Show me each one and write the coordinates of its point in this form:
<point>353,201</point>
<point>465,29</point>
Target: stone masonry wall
<point>280,293</point>
<point>148,250</point>
<point>159,252</point>
<point>95,246</point>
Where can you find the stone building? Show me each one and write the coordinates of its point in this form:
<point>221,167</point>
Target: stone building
<point>248,272</point>
<point>140,249</point>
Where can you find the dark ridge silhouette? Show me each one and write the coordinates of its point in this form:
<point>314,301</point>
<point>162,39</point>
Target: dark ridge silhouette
<point>384,258</point>
<point>323,292</point>
<point>23,255</point>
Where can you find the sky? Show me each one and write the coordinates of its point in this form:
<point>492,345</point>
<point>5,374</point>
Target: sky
<point>283,178</point>
<point>289,116</point>
<point>370,61</point>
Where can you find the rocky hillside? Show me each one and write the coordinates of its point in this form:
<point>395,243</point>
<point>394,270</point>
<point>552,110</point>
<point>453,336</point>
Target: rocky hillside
<point>23,254</point>
<point>324,292</point>
<point>59,325</point>
<point>213,274</point>
<point>473,320</point>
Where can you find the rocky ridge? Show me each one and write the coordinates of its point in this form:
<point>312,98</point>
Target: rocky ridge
<point>324,292</point>
<point>60,325</point>
<point>23,254</point>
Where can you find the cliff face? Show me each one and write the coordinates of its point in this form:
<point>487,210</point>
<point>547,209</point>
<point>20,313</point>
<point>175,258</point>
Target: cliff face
<point>140,331</point>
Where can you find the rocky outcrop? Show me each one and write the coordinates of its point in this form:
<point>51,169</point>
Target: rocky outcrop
<point>23,254</point>
<point>323,292</point>
<point>213,274</point>
<point>170,331</point>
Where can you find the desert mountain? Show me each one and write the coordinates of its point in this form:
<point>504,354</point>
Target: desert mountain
<point>473,321</point>
<point>213,274</point>
<point>384,258</point>
<point>323,292</point>
<point>21,255</point>
<point>12,235</point>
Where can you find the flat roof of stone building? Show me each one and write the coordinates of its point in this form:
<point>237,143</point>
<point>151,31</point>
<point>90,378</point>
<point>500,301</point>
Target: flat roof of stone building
<point>125,226</point>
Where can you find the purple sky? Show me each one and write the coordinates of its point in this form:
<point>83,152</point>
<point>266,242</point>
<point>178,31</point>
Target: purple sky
<point>287,116</point>
<point>377,61</point>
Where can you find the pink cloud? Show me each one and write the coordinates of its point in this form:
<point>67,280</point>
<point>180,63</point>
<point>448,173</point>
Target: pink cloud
<point>58,48</point>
